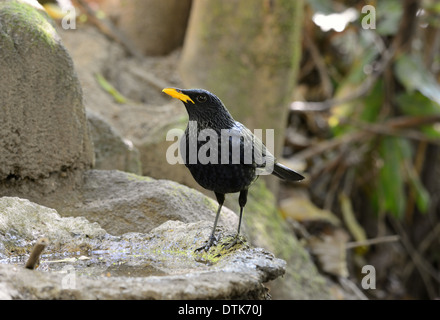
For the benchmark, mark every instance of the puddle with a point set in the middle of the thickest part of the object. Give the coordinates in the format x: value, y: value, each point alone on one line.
x: 124, y: 260
x: 168, y: 252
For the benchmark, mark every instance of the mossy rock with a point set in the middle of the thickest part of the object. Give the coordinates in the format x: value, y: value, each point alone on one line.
x: 265, y: 227
x: 44, y: 128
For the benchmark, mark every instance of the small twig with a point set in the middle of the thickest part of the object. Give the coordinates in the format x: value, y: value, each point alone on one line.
x: 403, y: 122
x: 34, y: 258
x: 329, y: 103
x: 431, y: 237
x: 388, y: 127
x: 423, y: 268
x: 348, y: 284
x: 399, y: 44
x: 424, y: 245
x: 330, y: 144
x: 408, y: 24
x: 320, y: 65
x: 399, y: 127
x: 361, y: 91
x: 369, y: 242
x: 335, y: 182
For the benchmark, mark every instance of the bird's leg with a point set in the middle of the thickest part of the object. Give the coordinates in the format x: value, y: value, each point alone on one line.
x: 242, y: 199
x: 212, y: 239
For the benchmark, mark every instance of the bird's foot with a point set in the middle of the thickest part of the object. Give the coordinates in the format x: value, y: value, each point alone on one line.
x: 212, y: 241
x: 236, y: 240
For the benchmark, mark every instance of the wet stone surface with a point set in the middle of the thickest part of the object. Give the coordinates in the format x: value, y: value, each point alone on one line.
x: 83, y: 261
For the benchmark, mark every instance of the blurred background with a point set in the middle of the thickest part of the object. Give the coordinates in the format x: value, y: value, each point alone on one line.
x: 350, y: 87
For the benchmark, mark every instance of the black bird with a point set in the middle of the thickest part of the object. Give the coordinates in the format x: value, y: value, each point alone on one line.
x: 228, y: 169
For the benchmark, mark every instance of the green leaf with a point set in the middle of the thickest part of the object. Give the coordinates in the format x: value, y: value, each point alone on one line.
x: 373, y: 103
x: 389, y: 14
x: 432, y: 132
x: 413, y: 75
x: 352, y: 82
x: 416, y: 104
x: 391, y: 190
x: 119, y: 98
x: 422, y: 196
x: 350, y: 220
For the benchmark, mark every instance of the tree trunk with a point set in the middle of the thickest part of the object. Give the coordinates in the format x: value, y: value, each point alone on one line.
x: 246, y: 52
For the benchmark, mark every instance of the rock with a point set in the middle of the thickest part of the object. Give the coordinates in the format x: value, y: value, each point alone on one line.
x: 43, y: 123
x: 120, y: 202
x: 123, y: 202
x: 147, y: 128
x: 155, y: 28
x: 146, y: 125
x: 82, y: 261
x: 148, y: 115
x: 112, y: 151
x: 266, y: 228
x: 22, y: 222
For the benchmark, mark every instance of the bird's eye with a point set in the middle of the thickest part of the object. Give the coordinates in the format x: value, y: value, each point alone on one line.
x: 201, y: 98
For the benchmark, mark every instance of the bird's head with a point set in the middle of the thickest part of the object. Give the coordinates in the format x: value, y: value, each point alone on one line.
x: 201, y: 104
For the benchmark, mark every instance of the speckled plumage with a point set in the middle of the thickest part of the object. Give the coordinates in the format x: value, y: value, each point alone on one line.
x: 212, y: 127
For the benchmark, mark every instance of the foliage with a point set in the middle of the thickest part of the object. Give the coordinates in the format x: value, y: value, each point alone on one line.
x: 383, y: 92
x: 374, y: 67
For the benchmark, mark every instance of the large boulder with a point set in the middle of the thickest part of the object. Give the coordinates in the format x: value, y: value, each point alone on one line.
x: 148, y: 114
x: 82, y: 261
x: 123, y: 202
x: 51, y: 170
x: 43, y: 124
x: 112, y: 151
x: 146, y: 126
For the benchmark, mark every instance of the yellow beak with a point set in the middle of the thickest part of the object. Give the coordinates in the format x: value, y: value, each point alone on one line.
x: 176, y: 93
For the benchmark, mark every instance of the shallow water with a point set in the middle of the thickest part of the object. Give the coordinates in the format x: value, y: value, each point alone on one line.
x: 122, y: 261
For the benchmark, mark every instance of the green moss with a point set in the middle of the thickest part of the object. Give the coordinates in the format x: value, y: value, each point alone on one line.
x: 210, y: 203
x: 18, y: 15
x: 266, y: 227
x: 135, y: 177
x: 220, y: 251
x: 296, y: 31
x: 266, y: 222
x: 184, y: 193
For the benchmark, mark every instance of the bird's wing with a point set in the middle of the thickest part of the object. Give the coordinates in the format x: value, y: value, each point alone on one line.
x: 252, y: 150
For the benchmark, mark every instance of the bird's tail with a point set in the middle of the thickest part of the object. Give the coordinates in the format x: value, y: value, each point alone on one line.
x: 283, y: 172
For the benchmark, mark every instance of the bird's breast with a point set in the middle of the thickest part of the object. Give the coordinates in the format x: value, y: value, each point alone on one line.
x: 223, y: 178
x: 216, y: 162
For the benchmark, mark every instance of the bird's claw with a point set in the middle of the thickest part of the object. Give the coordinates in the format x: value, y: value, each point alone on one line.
x: 212, y: 241
x: 236, y: 240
